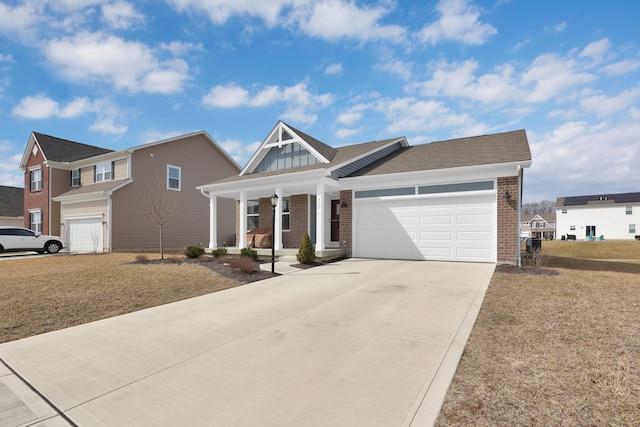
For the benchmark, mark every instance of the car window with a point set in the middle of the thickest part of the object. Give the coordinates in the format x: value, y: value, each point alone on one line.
x: 5, y: 232
x: 27, y: 233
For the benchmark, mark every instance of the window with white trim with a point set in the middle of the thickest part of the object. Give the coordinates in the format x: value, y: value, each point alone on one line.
x: 35, y: 177
x: 75, y: 178
x: 286, y: 210
x: 632, y: 228
x: 253, y: 214
x: 174, y: 177
x: 103, y: 172
x: 35, y: 221
x: 629, y: 210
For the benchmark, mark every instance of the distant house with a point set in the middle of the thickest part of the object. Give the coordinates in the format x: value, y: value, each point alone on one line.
x: 539, y: 226
x: 456, y: 200
x: 11, y: 206
x: 610, y: 216
x: 94, y: 198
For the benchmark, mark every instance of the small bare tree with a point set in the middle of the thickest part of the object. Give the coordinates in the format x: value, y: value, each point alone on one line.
x: 160, y: 203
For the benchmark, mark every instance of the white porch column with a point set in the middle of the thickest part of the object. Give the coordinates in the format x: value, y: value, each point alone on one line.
x: 242, y: 238
x: 320, y: 217
x: 213, y: 223
x: 277, y: 233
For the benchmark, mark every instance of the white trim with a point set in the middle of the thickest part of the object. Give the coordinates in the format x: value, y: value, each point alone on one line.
x: 169, y: 167
x: 83, y: 216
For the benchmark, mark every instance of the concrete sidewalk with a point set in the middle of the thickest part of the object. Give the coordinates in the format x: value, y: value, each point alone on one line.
x: 356, y: 342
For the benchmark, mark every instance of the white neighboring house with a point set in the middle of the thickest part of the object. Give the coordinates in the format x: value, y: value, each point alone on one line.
x: 610, y: 216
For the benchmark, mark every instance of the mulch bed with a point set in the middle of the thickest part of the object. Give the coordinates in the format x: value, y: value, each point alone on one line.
x: 535, y: 271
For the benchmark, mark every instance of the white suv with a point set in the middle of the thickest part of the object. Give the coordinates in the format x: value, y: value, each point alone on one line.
x: 19, y: 239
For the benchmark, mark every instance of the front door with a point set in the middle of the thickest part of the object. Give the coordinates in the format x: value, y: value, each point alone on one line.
x: 335, y: 220
x: 591, y: 230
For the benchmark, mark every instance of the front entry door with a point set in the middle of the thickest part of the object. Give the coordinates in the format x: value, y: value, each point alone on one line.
x: 591, y: 230
x: 335, y: 220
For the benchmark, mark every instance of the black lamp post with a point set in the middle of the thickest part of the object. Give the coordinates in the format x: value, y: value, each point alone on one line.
x: 274, y: 203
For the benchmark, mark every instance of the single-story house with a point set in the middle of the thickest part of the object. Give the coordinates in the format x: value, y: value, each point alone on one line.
x: 456, y: 200
x: 608, y: 216
x: 11, y: 206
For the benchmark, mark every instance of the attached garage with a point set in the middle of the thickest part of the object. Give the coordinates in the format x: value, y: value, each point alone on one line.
x: 444, y: 227
x: 85, y: 234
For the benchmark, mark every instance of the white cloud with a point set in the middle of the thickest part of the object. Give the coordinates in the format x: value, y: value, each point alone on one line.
x: 121, y: 15
x: 459, y: 21
x: 178, y: 48
x: 18, y: 18
x: 299, y: 102
x: 10, y: 173
x: 219, y: 11
x: 338, y: 19
x: 333, y: 68
x: 42, y: 107
x: 621, y: 67
x: 128, y: 65
x: 604, y: 106
x: 343, y: 133
x: 558, y: 28
x: 596, y: 50
x: 6, y: 58
x: 396, y: 67
x: 550, y: 76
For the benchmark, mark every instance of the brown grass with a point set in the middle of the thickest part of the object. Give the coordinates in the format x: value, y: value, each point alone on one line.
x: 555, y: 350
x: 48, y: 293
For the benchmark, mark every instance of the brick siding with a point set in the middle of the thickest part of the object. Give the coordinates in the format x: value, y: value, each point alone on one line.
x: 508, y: 227
x: 37, y: 199
x: 346, y: 221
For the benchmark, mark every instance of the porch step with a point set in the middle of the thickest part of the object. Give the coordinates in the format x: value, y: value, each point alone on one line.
x: 288, y: 258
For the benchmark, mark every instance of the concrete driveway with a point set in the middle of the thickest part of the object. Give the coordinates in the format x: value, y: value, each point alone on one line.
x: 357, y: 342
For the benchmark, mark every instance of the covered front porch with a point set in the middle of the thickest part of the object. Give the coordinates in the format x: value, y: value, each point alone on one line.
x: 306, y: 202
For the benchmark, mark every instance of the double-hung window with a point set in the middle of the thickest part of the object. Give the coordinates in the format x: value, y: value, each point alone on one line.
x: 75, y: 178
x: 629, y: 210
x: 174, y: 177
x: 35, y: 177
x: 632, y: 228
x: 103, y: 172
x: 253, y: 214
x: 35, y: 221
x: 286, y: 210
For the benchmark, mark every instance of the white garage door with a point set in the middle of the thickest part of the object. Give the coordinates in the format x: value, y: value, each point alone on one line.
x: 457, y: 228
x: 85, y: 235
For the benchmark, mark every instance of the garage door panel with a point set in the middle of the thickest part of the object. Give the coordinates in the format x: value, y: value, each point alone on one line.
x: 451, y: 228
x: 85, y: 235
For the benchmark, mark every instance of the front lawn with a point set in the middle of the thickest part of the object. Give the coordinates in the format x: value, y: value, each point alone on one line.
x: 555, y: 349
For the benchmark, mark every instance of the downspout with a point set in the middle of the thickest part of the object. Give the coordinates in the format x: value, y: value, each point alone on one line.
x: 109, y: 222
x: 518, y: 252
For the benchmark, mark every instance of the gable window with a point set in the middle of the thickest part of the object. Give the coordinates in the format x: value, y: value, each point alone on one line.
x: 103, y: 172
x: 253, y: 214
x: 35, y: 221
x: 286, y: 210
x: 286, y: 156
x: 632, y: 228
x: 629, y: 210
x: 174, y: 174
x: 75, y: 178
x: 564, y: 211
x: 35, y: 177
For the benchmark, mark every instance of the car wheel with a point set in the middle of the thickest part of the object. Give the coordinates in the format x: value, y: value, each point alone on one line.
x: 1, y: 249
x: 53, y: 247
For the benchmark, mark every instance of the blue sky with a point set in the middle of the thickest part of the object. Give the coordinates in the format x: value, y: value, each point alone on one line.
x: 117, y: 74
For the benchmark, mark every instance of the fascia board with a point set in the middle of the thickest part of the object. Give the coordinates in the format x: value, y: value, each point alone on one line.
x: 80, y: 198
x: 257, y: 156
x: 282, y: 180
x: 309, y: 148
x: 437, y: 176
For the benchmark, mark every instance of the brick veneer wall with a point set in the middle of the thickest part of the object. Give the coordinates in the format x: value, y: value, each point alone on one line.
x: 37, y: 199
x: 508, y: 235
x: 298, y: 221
x: 346, y: 222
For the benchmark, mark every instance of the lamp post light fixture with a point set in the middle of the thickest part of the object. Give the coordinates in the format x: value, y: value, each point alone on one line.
x: 274, y: 203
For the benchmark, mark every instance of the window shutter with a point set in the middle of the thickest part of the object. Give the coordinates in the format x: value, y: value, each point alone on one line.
x: 113, y: 170
x: 95, y: 173
x: 71, y: 178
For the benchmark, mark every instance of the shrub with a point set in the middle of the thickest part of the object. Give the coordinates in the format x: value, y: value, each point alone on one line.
x: 194, y: 251
x: 243, y: 263
x: 142, y: 259
x: 204, y: 258
x: 306, y: 253
x: 249, y: 253
x: 219, y: 252
x: 174, y: 260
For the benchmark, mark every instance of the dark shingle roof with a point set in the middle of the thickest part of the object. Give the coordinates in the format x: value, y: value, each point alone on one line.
x: 62, y: 150
x: 598, y: 199
x: 497, y: 148
x: 11, y: 201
